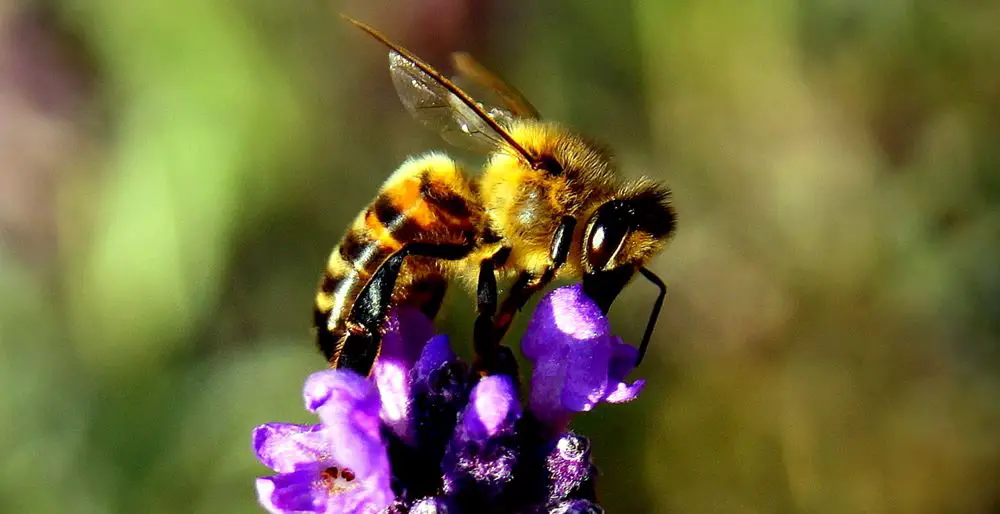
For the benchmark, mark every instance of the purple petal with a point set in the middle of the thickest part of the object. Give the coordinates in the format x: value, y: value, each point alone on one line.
x: 493, y: 407
x: 308, y: 490
x: 348, y: 405
x: 369, y: 497
x: 285, y: 447
x: 407, y: 331
x: 340, y: 387
x: 586, y: 372
x: 623, y: 392
x: 300, y: 491
x: 565, y: 313
x: 392, y: 379
x: 436, y: 353
x: 623, y: 358
x: 355, y: 447
x: 349, y: 437
x: 545, y: 400
x: 578, y: 363
x: 484, y: 450
x: 441, y: 387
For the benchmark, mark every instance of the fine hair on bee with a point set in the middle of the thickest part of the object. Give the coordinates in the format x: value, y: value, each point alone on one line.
x: 547, y: 205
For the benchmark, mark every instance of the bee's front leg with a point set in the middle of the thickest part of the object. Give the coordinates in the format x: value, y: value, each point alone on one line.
x: 604, y: 286
x: 529, y: 283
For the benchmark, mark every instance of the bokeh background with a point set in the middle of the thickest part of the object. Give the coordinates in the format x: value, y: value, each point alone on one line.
x: 173, y: 175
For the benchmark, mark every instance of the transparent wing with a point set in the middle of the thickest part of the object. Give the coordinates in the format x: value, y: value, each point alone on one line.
x: 441, y: 110
x: 513, y: 100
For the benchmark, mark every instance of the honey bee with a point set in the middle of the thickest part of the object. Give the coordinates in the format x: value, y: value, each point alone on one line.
x: 547, y: 205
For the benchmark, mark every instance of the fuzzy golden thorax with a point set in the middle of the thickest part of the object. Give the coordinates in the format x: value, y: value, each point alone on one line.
x: 574, y: 177
x: 525, y: 204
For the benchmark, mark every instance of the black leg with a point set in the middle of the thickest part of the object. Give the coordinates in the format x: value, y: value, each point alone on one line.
x: 559, y: 250
x: 604, y: 287
x: 486, y: 302
x: 363, y: 342
x: 484, y: 342
x: 528, y: 284
x: 525, y: 286
x: 654, y: 314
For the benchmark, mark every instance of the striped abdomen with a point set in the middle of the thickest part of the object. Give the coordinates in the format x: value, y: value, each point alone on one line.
x: 427, y: 199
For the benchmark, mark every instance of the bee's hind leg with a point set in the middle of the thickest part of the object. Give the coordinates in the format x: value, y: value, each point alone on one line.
x: 364, y: 340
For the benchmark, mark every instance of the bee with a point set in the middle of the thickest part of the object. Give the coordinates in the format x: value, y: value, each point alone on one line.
x: 547, y: 205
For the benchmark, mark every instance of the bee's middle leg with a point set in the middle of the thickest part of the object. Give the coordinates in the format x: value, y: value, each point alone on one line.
x: 485, y: 343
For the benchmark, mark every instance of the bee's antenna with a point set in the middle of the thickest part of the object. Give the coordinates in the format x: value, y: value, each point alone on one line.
x: 650, y: 276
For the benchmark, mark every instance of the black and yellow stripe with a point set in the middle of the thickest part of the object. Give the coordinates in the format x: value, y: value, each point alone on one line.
x: 427, y: 199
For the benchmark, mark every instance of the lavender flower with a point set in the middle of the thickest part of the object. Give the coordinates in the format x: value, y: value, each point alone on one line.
x: 578, y: 362
x: 340, y: 465
x: 428, y: 435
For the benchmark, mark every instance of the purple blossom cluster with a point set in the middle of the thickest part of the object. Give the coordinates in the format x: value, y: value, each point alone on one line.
x: 426, y: 434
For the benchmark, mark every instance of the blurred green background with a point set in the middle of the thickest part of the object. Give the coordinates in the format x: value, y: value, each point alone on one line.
x: 173, y: 175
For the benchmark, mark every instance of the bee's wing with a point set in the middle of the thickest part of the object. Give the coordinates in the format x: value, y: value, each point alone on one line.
x: 516, y: 104
x: 440, y: 104
x: 441, y: 110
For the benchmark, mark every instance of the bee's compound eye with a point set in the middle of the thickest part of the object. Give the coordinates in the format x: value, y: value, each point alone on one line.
x: 610, y: 226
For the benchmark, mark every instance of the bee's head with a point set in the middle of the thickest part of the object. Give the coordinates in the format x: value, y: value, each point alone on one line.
x: 629, y: 229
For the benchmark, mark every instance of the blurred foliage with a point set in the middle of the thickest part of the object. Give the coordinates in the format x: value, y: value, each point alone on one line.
x: 175, y: 173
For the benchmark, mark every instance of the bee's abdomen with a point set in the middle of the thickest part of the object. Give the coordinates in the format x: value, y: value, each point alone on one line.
x: 427, y: 200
